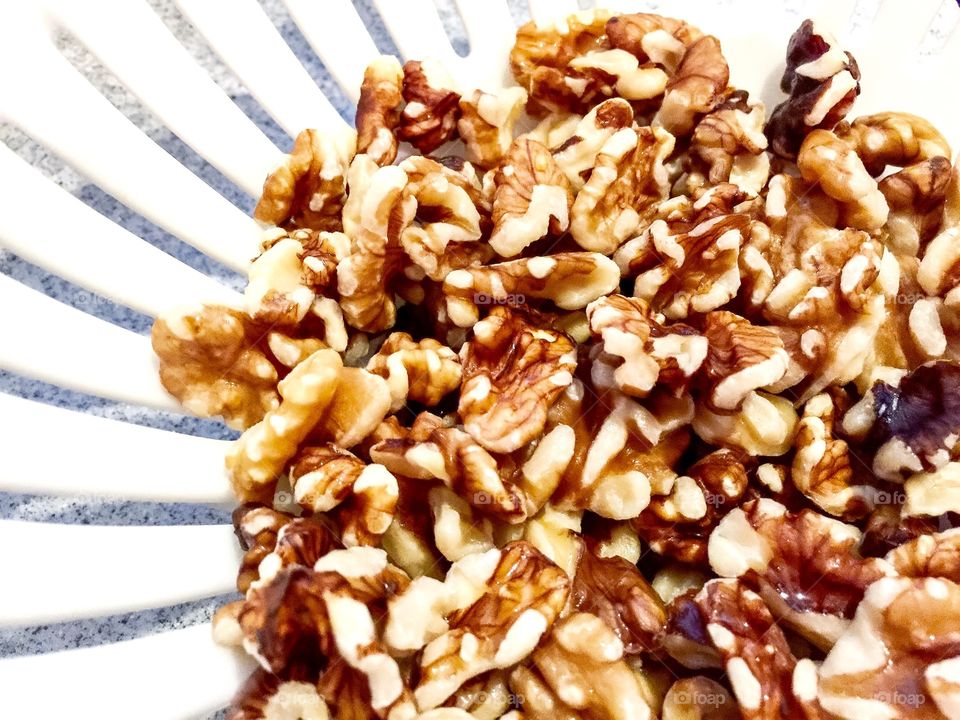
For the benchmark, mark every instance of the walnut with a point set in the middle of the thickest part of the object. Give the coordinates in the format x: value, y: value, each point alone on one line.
x: 939, y: 270
x: 622, y: 450
x: 456, y: 531
x: 916, y: 197
x: 555, y: 533
x: 541, y: 62
x: 439, y: 221
x: 409, y: 539
x: 261, y: 453
x: 430, y: 116
x: 308, y: 189
x: 823, y: 81
x: 894, y: 138
x: 730, y: 141
x: 933, y: 555
x: 568, y: 280
x: 614, y: 590
x: 256, y: 527
x: 822, y: 468
x: 582, y: 670
x: 264, y: 696
x: 365, y: 496
x: 533, y: 198
x: 423, y: 371
x: 378, y: 109
x: 765, y: 425
x: 898, y: 659
x: 521, y: 600
x: 209, y: 361
x: 804, y: 565
x: 361, y: 401
x: 628, y: 177
x: 654, y: 353
x: 933, y: 493
x: 678, y: 525
x: 512, y: 373
x: 826, y: 159
x: 699, y: 698
x: 486, y: 123
x: 767, y: 679
x: 577, y: 154
x: 914, y: 424
x: 453, y: 456
x: 690, y: 264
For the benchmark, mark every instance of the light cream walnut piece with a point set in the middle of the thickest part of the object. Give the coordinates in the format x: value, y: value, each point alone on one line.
x: 569, y: 280
x: 264, y: 696
x: 364, y: 277
x: 512, y: 373
x: 456, y: 531
x: 439, y: 223
x: 806, y: 566
x: 378, y: 109
x: 765, y: 425
x: 423, y: 371
x: 742, y: 357
x: 309, y: 188
x: 826, y: 159
x: 899, y: 657
x: 532, y: 199
x: 581, y: 672
x: 210, y: 362
x: 429, y: 118
x: 653, y: 353
x: 576, y: 154
x: 260, y: 455
x: 487, y: 697
x: 555, y: 533
x: 486, y: 123
x: 933, y: 493
x: 690, y: 264
x: 627, y: 178
x: 327, y: 478
x: 768, y: 681
x: 521, y: 600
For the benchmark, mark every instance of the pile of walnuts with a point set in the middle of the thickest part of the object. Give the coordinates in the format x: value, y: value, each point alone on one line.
x: 615, y: 400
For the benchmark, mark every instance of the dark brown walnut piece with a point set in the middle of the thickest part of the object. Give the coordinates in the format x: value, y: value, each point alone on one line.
x: 309, y: 188
x: 513, y: 370
x: 917, y: 422
x: 678, y: 525
x: 768, y: 680
x: 378, y: 109
x: 615, y: 590
x: 256, y: 527
x: 805, y: 566
x: 822, y: 80
x: 915, y: 196
x: 429, y: 118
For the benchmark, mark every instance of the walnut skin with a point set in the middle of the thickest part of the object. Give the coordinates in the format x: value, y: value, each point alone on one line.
x: 823, y: 81
x: 512, y: 373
